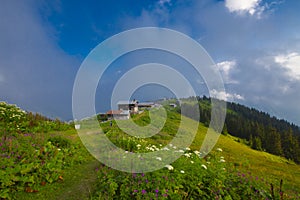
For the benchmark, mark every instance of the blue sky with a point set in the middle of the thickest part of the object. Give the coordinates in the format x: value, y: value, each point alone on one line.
x: 254, y: 43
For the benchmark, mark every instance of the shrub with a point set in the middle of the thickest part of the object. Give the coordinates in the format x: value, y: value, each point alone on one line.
x: 29, y: 161
x: 60, y: 142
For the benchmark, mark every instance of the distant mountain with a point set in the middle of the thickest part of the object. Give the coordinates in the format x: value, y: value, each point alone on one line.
x: 260, y: 130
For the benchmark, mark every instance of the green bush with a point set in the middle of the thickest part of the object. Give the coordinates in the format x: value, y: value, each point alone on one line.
x: 28, y: 162
x: 60, y: 142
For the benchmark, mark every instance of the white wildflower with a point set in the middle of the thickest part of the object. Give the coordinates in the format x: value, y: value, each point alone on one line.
x: 166, y: 149
x: 192, y: 162
x: 187, y: 155
x: 222, y: 160
x: 59, y: 149
x: 187, y: 148
x: 181, y: 171
x: 180, y: 151
x: 170, y: 167
x: 158, y: 158
x: 204, y: 166
x: 151, y: 149
x: 219, y: 149
x: 208, y: 162
x: 197, y: 153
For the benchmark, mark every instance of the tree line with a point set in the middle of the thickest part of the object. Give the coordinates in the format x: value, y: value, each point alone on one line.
x: 262, y: 131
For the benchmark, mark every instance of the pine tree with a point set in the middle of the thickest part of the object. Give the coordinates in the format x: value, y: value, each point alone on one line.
x: 257, y: 144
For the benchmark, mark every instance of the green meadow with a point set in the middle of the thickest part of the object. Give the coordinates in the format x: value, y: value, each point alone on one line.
x: 54, y: 164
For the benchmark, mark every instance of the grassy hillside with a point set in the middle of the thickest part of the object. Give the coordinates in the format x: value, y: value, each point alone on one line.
x: 36, y: 154
x: 260, y: 168
x: 231, y: 171
x: 262, y: 131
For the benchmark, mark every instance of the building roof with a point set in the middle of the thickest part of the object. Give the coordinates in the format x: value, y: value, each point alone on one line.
x: 146, y: 104
x: 126, y: 102
x: 117, y: 112
x: 114, y: 112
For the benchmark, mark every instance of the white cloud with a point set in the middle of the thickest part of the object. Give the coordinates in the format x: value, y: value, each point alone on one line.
x: 163, y: 2
x: 244, y: 6
x: 284, y: 89
x: 226, y: 68
x: 291, y: 63
x: 252, y: 43
x: 222, y: 95
x: 38, y: 75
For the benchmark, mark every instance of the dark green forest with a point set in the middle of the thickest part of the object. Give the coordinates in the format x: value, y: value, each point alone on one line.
x: 260, y: 130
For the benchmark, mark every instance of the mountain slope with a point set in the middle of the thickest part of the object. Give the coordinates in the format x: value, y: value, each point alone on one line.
x: 232, y: 170
x: 256, y: 165
x: 262, y: 132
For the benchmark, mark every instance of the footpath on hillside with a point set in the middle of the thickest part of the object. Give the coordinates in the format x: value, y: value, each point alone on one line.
x: 81, y: 184
x: 78, y: 183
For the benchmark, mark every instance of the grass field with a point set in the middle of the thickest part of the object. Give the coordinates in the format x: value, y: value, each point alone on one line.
x: 92, y: 180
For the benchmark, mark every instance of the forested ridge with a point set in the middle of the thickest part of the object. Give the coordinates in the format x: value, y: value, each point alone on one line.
x: 260, y: 130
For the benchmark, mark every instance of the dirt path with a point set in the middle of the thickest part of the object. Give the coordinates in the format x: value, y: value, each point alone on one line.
x: 78, y: 184
x: 81, y: 184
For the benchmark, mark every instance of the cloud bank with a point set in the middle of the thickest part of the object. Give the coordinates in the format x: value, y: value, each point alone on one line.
x: 290, y: 62
x: 34, y: 72
x: 248, y: 39
x: 244, y: 6
x: 255, y: 45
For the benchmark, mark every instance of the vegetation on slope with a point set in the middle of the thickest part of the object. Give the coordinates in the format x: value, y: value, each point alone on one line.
x: 54, y: 165
x: 263, y: 132
x: 15, y: 120
x: 231, y: 171
x: 32, y: 155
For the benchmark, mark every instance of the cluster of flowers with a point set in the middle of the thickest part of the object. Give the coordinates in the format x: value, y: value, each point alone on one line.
x: 186, y: 152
